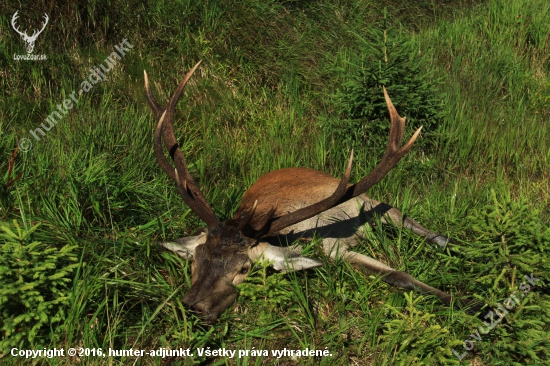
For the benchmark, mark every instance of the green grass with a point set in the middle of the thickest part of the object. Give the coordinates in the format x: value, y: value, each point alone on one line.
x: 269, y: 75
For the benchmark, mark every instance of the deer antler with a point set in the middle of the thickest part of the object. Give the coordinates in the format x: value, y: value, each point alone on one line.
x: 164, y: 132
x: 314, y: 209
x: 343, y: 193
x: 393, y: 154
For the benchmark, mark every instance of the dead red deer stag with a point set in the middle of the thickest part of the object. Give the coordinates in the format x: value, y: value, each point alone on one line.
x: 282, y: 206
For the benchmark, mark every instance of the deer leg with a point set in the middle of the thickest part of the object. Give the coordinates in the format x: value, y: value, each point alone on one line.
x: 390, y: 275
x: 404, y: 280
x: 391, y: 214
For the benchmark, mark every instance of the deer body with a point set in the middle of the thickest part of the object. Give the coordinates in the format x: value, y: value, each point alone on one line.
x: 295, y: 188
x: 279, y: 208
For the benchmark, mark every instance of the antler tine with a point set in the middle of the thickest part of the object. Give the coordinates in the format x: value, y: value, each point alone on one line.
x: 391, y: 157
x: 397, y: 124
x: 189, y: 190
x: 176, y: 96
x: 312, y: 210
x: 157, y: 108
x: 246, y: 216
x: 261, y: 224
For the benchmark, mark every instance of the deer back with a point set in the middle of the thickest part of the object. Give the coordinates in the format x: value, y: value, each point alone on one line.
x: 291, y: 189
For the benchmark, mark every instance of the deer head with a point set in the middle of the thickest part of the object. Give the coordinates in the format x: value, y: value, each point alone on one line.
x: 223, y: 255
x: 29, y: 40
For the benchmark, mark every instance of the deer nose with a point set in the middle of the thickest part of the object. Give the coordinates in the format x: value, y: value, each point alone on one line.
x: 197, y: 308
x: 202, y: 310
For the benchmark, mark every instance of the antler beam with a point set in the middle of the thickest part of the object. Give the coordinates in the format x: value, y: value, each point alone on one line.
x: 164, y: 132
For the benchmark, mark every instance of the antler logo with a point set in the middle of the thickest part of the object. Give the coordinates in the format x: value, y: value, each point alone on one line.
x: 29, y: 40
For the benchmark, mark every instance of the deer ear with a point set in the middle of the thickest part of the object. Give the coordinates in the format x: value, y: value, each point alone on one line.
x: 185, y: 247
x: 282, y: 259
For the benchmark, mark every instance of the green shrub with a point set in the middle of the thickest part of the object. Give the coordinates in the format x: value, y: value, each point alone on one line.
x: 415, y: 337
x: 36, y: 281
x: 273, y: 289
x: 388, y: 59
x: 511, y: 243
x: 510, y: 238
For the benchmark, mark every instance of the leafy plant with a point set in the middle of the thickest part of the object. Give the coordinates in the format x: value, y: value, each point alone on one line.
x: 35, y: 289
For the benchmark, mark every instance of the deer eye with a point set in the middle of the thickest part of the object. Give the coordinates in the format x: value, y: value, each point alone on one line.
x: 244, y: 270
